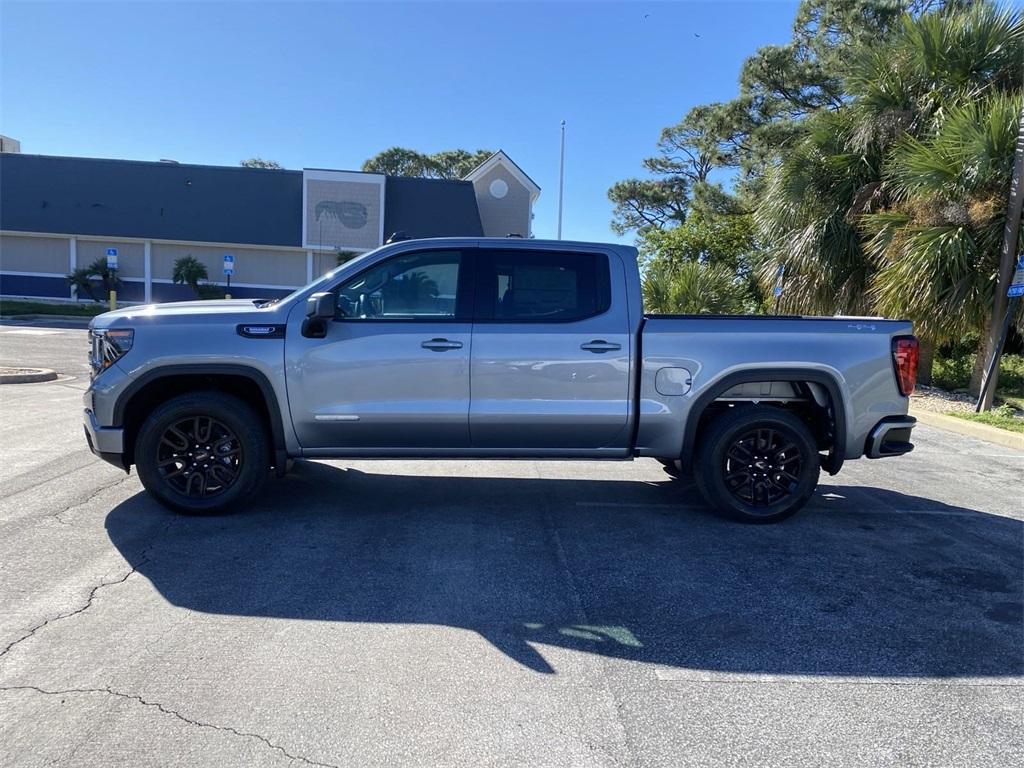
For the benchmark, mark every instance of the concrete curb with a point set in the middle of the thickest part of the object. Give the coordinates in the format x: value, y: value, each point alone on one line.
x: 30, y: 376
x: 74, y: 319
x: 970, y: 428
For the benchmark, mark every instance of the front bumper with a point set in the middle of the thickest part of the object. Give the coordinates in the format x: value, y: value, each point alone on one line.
x: 105, y: 442
x: 890, y: 437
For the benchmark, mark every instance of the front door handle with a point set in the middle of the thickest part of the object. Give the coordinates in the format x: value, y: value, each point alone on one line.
x: 440, y: 345
x: 600, y: 345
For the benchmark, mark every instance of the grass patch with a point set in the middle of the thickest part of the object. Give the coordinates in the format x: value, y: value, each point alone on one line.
x: 12, y: 308
x: 1011, y: 423
x: 1012, y: 400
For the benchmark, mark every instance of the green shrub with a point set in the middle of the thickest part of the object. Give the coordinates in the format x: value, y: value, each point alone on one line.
x: 953, y: 372
x: 1011, y: 374
x: 209, y: 291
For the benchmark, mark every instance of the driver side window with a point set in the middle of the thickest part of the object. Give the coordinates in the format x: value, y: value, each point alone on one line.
x: 412, y: 286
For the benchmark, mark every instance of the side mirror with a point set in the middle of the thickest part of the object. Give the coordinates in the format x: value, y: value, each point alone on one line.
x: 321, y: 306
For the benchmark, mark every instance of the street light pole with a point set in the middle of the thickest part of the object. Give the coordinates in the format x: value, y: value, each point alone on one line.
x: 561, y: 180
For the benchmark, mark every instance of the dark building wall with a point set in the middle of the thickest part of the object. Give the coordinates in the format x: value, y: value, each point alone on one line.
x: 167, y: 201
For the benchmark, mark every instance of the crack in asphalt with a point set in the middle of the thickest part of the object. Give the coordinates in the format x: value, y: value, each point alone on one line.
x: 143, y: 559
x: 58, y: 515
x: 53, y: 619
x: 174, y: 713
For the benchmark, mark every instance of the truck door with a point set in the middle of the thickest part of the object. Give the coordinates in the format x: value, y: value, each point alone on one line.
x: 392, y: 371
x: 550, y: 361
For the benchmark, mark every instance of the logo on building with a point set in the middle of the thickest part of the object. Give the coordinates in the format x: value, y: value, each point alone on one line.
x: 350, y: 214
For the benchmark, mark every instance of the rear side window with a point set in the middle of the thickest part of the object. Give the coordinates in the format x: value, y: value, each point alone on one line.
x: 542, y: 286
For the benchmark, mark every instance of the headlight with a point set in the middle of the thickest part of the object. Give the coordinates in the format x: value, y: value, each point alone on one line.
x: 108, y: 346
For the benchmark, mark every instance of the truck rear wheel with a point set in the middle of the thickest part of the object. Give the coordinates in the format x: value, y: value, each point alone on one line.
x: 202, y: 453
x: 757, y: 464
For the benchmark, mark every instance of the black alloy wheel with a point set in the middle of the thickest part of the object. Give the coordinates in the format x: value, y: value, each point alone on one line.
x: 763, y: 466
x: 199, y: 456
x: 203, y: 453
x: 757, y: 463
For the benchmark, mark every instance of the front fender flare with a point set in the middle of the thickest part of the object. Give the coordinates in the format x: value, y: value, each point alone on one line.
x: 214, y: 369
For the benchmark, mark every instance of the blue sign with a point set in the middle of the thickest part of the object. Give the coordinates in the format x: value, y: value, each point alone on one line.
x: 777, y: 291
x: 1017, y: 282
x: 112, y: 258
x: 229, y: 264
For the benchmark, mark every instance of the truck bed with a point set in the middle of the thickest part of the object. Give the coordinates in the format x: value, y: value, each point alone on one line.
x: 850, y: 357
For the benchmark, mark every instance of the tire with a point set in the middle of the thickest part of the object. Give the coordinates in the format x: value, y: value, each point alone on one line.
x: 769, y: 486
x: 197, y: 476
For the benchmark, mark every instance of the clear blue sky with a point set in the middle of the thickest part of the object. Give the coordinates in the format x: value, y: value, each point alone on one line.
x: 330, y: 84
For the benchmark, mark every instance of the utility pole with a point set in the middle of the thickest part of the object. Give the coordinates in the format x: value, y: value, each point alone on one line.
x: 561, y: 180
x: 1002, y: 305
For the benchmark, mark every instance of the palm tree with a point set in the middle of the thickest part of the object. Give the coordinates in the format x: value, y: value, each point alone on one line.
x: 188, y: 270
x: 860, y: 187
x: 940, y: 97
x: 693, y: 288
x: 809, y: 217
x: 83, y: 279
x: 937, y: 247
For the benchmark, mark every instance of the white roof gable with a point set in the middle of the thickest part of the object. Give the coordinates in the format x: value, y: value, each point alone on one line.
x: 500, y: 158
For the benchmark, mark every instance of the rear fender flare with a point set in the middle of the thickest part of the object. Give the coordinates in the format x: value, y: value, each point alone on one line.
x: 832, y: 463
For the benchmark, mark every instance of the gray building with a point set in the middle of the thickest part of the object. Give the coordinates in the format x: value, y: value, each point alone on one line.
x: 283, y: 227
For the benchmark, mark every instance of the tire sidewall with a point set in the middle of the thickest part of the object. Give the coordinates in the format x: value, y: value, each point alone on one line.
x: 711, y: 480
x: 238, y: 417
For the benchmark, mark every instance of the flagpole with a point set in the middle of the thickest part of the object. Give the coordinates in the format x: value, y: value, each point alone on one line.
x: 561, y: 180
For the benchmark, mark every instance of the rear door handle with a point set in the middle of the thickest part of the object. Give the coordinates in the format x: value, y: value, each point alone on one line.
x: 600, y: 345
x: 440, y: 345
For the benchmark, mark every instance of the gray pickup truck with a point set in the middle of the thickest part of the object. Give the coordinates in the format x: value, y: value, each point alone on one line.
x: 491, y: 348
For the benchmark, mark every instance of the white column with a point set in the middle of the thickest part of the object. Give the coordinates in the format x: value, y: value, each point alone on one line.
x: 309, y: 266
x: 147, y: 271
x: 73, y: 262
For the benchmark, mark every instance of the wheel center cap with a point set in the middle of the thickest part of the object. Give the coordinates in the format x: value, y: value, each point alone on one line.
x: 201, y: 456
x: 761, y: 464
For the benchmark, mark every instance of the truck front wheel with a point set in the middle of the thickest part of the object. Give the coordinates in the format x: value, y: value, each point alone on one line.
x: 758, y: 464
x: 202, y: 453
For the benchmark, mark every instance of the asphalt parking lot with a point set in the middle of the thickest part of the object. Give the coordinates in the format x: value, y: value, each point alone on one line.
x: 501, y: 613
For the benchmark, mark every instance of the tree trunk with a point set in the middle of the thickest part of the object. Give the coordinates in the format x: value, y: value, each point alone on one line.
x: 1008, y: 257
x: 985, y: 345
x: 925, y: 360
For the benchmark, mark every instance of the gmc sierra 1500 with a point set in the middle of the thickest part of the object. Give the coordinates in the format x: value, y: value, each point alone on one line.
x: 491, y: 348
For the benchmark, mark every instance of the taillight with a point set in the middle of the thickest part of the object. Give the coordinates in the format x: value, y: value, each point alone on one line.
x: 905, y: 353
